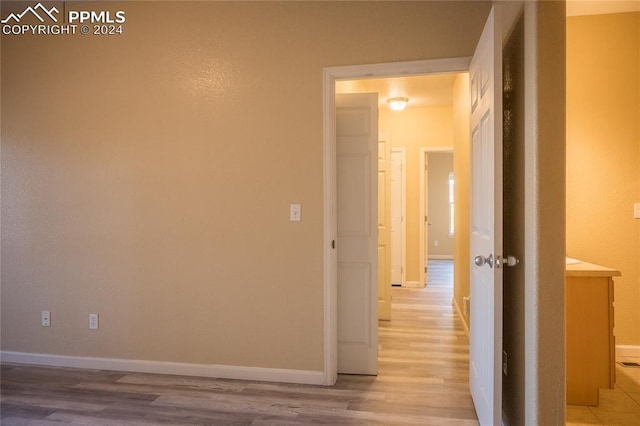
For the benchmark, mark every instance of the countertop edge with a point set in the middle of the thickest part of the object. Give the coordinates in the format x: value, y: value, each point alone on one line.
x: 585, y: 269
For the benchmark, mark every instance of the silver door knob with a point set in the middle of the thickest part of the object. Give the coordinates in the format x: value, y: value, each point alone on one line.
x: 511, y: 261
x: 480, y: 260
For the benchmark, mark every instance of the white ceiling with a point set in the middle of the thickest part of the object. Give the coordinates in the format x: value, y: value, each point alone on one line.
x: 422, y: 90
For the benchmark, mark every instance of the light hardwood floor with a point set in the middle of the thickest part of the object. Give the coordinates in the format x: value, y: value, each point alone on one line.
x: 423, y: 380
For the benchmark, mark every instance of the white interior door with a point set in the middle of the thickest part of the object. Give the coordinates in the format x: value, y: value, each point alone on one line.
x: 397, y: 217
x: 384, y: 230
x: 485, y: 373
x: 357, y: 215
x: 427, y: 222
x: 424, y: 215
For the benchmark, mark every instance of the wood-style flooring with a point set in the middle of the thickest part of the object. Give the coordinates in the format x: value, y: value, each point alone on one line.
x: 422, y: 380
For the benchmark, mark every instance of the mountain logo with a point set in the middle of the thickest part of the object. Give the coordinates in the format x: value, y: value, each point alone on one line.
x: 34, y: 11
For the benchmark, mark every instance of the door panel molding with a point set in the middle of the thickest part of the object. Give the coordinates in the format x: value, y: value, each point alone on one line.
x: 359, y: 232
x: 485, y: 340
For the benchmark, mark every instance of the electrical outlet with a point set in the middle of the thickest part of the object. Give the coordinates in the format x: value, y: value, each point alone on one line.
x: 46, y: 318
x: 636, y: 211
x: 435, y: 243
x: 504, y: 362
x: 93, y: 321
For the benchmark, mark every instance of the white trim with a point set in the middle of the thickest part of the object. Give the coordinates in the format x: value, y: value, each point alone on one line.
x: 440, y: 257
x: 330, y: 75
x: 630, y: 351
x: 173, y: 368
x: 459, y: 312
x: 413, y: 284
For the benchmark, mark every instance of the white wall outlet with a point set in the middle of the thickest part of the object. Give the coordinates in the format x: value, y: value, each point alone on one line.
x: 636, y: 211
x: 435, y: 243
x: 46, y: 318
x: 295, y: 213
x: 93, y: 321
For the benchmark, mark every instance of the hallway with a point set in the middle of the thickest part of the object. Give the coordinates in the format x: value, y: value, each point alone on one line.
x: 422, y: 381
x: 424, y: 348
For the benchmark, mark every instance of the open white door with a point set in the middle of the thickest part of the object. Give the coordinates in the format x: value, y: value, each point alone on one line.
x: 427, y: 224
x: 485, y: 372
x: 397, y: 216
x: 384, y: 230
x: 424, y: 216
x: 357, y: 187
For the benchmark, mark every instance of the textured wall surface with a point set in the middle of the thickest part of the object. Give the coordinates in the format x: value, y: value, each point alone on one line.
x: 603, y: 154
x: 147, y: 176
x: 428, y: 127
x: 461, y: 169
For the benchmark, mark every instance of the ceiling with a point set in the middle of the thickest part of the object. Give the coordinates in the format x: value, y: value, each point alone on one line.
x: 422, y: 90
x: 437, y: 90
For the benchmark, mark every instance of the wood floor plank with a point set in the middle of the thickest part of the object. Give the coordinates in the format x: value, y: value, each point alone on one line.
x: 423, y: 380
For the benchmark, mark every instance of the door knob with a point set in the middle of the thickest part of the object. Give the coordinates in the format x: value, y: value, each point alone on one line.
x: 511, y: 261
x: 480, y: 260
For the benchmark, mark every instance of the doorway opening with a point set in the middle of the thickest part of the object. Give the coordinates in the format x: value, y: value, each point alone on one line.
x: 334, y: 78
x: 437, y: 200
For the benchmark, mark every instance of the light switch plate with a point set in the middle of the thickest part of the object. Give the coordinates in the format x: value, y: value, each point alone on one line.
x: 636, y: 211
x: 295, y: 213
x: 46, y: 318
x: 93, y: 321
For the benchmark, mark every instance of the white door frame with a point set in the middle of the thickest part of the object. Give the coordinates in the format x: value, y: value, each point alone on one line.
x: 403, y: 212
x: 424, y: 151
x: 330, y: 75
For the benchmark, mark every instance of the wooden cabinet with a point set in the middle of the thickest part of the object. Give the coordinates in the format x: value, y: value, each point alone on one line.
x: 589, y: 332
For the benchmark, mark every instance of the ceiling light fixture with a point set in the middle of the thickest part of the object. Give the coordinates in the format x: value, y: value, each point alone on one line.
x: 397, y: 104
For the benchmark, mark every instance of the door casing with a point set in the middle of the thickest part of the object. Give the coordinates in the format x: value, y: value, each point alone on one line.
x: 330, y: 75
x: 424, y: 203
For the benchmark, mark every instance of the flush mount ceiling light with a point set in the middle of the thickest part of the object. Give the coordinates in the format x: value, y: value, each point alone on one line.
x: 397, y: 104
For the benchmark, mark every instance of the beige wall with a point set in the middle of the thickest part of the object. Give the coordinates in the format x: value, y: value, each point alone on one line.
x: 413, y: 129
x: 603, y: 154
x: 147, y: 177
x: 440, y: 165
x: 461, y: 169
x: 544, y: 206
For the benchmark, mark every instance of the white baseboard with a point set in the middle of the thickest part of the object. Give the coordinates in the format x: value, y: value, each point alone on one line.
x: 459, y: 312
x: 440, y: 257
x: 413, y: 284
x: 628, y: 351
x: 173, y: 368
